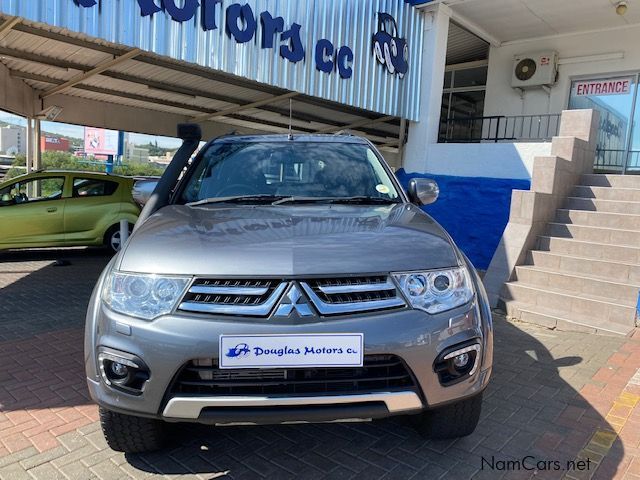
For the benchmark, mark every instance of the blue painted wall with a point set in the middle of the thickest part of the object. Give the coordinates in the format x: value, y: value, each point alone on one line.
x: 474, y: 210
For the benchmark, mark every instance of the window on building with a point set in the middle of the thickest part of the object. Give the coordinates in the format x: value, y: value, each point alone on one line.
x: 463, y: 102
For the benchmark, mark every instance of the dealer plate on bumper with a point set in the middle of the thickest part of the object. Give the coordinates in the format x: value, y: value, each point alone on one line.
x: 291, y: 351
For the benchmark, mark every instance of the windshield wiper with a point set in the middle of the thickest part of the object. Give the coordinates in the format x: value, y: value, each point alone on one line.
x: 239, y: 199
x: 364, y: 200
x: 303, y: 200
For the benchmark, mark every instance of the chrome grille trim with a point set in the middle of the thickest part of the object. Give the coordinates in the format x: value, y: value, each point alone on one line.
x: 346, y: 303
x: 249, y: 291
x: 260, y: 310
x: 354, y: 288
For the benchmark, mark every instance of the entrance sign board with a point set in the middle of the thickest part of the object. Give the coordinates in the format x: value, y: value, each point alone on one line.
x: 613, y: 86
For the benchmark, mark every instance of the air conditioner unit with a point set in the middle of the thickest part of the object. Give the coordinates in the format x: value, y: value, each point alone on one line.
x: 533, y: 70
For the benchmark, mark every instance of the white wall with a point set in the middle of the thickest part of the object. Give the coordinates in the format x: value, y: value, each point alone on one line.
x: 434, y: 59
x: 501, y: 99
x: 489, y: 160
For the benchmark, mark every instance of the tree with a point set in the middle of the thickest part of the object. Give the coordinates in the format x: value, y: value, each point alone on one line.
x: 67, y: 161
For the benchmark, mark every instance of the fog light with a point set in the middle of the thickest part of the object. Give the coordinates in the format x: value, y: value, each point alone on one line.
x: 119, y: 370
x: 461, y: 361
x: 123, y: 371
x: 457, y: 363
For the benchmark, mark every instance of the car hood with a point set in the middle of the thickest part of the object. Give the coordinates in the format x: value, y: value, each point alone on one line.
x: 287, y: 240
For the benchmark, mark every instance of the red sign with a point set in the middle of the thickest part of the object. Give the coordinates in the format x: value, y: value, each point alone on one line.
x: 54, y: 144
x: 615, y: 86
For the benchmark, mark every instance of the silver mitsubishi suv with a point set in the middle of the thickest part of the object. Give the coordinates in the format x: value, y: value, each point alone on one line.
x: 284, y: 279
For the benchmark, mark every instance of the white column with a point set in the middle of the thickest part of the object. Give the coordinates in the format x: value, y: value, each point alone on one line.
x: 37, y: 149
x: 30, y: 145
x: 434, y: 59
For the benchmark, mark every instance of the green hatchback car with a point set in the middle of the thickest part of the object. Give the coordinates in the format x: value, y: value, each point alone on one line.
x: 64, y: 209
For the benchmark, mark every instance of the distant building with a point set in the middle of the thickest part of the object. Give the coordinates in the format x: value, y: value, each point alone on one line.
x: 13, y: 140
x: 50, y: 143
x: 134, y: 153
x: 162, y: 160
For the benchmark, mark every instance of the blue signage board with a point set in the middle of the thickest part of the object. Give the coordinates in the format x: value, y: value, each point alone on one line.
x: 364, y: 53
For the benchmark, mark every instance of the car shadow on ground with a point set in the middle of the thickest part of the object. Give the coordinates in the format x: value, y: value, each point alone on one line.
x: 533, y: 411
x: 533, y: 417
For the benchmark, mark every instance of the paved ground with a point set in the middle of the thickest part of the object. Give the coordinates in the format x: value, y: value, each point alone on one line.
x: 555, y: 397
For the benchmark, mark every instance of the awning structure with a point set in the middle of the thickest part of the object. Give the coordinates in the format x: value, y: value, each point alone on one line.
x: 103, y: 84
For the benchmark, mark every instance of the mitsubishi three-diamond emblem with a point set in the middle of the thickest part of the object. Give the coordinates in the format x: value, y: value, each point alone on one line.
x: 294, y: 300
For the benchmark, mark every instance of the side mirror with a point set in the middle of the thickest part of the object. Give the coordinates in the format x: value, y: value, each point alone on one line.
x: 142, y: 191
x: 423, y: 191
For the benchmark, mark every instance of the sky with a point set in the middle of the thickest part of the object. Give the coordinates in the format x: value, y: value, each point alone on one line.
x: 78, y: 132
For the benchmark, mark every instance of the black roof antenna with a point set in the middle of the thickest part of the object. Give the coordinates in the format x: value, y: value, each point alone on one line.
x: 291, y: 119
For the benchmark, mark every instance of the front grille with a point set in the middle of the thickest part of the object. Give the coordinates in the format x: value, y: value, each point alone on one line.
x: 379, y: 373
x: 258, y: 298
x: 353, y: 290
x: 232, y: 297
x: 334, y: 296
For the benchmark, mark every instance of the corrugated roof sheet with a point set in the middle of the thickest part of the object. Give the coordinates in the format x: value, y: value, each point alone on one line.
x: 343, y: 22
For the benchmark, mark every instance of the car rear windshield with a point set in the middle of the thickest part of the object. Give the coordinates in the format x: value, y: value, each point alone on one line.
x: 289, y: 169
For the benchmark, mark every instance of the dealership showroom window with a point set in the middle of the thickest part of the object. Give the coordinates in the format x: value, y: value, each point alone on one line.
x: 304, y: 239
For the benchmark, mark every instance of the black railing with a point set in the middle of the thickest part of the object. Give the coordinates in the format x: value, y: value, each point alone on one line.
x: 520, y: 128
x: 613, y: 161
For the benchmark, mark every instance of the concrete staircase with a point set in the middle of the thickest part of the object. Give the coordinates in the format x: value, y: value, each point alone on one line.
x: 585, y: 271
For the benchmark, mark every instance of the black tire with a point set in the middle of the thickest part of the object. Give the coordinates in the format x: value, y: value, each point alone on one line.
x: 109, y: 241
x: 452, y: 421
x: 129, y: 434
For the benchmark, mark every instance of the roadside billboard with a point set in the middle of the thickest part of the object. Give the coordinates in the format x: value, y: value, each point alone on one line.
x: 98, y: 141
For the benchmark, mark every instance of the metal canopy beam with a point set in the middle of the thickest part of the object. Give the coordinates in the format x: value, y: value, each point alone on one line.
x: 246, y: 106
x: 195, y: 70
x: 7, y: 25
x: 355, y: 125
x: 191, y: 92
x: 100, y: 68
x: 155, y: 101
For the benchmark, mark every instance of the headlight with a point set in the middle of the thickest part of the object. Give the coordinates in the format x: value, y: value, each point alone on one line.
x: 436, y: 291
x: 141, y: 295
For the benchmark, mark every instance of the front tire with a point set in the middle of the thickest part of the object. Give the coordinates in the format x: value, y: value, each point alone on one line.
x: 451, y: 421
x: 129, y: 434
x: 113, y: 239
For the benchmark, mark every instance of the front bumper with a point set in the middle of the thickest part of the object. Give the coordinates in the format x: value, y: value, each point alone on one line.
x: 168, y: 343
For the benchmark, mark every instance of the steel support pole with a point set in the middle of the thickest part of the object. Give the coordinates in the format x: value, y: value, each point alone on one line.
x: 30, y: 152
x: 37, y: 144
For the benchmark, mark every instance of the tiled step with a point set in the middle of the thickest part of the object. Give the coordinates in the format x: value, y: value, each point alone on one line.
x: 595, y: 234
x: 612, y: 271
x: 561, y: 302
x: 608, y: 193
x: 617, y: 292
x: 597, y: 251
x: 599, y: 219
x: 602, y: 206
x: 572, y: 322
x: 615, y: 181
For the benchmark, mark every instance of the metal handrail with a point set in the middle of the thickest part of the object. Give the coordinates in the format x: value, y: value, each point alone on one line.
x: 500, y: 128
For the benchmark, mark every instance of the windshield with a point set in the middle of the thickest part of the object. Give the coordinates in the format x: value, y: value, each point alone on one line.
x: 293, y: 170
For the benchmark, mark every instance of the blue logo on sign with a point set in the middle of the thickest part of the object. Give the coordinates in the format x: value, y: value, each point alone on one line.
x: 240, y: 350
x: 389, y: 48
x: 271, y: 32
